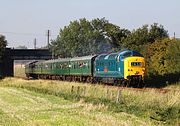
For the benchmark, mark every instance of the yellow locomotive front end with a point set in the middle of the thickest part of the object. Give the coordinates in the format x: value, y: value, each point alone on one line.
x: 134, y: 69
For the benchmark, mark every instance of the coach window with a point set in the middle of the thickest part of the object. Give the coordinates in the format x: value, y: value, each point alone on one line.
x: 65, y: 65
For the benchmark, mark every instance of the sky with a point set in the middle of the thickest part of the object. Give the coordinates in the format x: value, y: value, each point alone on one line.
x: 21, y: 21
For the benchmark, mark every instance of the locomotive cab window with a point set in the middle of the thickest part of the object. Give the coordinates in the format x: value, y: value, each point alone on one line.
x: 127, y: 54
x: 136, y: 64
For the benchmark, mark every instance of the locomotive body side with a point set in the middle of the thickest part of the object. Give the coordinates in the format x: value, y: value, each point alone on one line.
x: 119, y: 67
x: 106, y: 66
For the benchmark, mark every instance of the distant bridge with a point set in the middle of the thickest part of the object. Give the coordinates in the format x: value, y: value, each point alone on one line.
x: 30, y: 54
x: 6, y: 65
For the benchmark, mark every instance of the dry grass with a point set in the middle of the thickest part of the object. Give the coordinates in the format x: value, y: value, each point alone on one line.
x: 99, y: 102
x: 23, y: 107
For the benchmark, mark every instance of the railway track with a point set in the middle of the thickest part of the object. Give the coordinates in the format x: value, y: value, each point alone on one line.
x: 144, y: 89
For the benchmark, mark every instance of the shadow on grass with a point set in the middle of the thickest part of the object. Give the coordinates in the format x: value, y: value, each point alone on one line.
x: 162, y: 81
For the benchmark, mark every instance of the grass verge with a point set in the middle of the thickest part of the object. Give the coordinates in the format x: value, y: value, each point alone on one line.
x: 153, y: 107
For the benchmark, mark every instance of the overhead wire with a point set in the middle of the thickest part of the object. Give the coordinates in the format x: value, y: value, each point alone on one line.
x: 25, y: 34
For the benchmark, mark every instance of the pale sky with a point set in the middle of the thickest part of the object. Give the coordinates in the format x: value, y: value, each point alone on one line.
x: 23, y: 20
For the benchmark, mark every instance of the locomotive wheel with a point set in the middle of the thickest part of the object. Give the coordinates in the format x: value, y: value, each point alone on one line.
x: 124, y: 83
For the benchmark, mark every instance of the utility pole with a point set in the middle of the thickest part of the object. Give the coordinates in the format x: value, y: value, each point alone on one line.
x: 48, y: 35
x: 174, y: 35
x: 35, y: 43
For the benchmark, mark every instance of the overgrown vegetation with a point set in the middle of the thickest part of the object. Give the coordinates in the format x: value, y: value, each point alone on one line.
x: 163, y: 61
x: 3, y: 44
x: 157, y: 108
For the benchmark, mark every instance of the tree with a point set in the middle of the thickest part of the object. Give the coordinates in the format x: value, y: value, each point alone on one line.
x: 163, y: 57
x: 116, y: 34
x: 3, y: 44
x: 144, y: 35
x: 157, y: 32
x: 173, y: 56
x: 136, y: 38
x: 85, y: 37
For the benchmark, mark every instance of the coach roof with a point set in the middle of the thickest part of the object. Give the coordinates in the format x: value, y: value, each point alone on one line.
x: 83, y: 58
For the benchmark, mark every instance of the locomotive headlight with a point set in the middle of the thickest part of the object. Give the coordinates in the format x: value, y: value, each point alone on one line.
x: 137, y: 72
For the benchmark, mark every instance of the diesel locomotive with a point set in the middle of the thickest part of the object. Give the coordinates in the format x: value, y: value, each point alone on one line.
x: 122, y: 68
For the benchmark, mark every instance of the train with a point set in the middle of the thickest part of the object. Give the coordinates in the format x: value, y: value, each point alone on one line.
x: 122, y: 68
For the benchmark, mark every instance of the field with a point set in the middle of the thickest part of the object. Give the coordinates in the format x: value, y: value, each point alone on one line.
x: 40, y: 102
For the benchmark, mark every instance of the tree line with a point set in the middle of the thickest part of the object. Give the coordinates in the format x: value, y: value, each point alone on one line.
x: 3, y: 44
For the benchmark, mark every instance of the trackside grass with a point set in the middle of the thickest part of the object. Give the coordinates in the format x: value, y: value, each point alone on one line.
x: 46, y: 102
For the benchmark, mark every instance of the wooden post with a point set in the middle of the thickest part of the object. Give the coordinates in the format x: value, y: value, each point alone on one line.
x: 118, y: 96
x: 78, y: 90
x: 107, y: 93
x: 72, y: 89
x: 84, y: 92
x: 111, y: 95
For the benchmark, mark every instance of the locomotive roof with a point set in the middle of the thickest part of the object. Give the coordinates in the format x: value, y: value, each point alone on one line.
x: 101, y: 56
x: 31, y: 62
x: 125, y: 53
x: 111, y: 56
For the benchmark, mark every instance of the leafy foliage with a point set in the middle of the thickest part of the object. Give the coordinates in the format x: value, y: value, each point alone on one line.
x: 163, y: 59
x: 85, y: 37
x: 145, y: 35
x: 3, y: 44
x: 173, y: 56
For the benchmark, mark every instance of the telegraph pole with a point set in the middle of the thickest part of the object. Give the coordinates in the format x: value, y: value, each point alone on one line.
x: 48, y: 35
x: 35, y: 43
